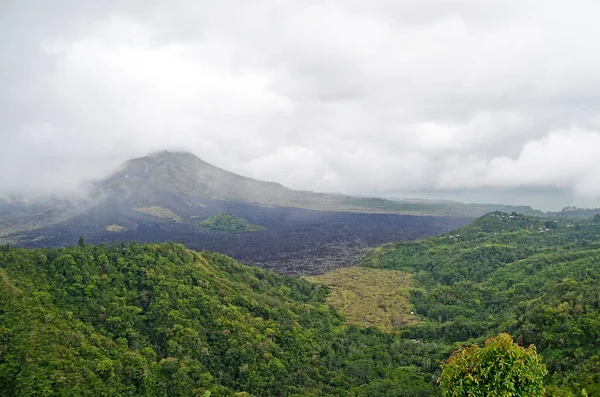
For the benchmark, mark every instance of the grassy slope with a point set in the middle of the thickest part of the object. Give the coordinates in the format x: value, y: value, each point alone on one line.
x: 159, y: 212
x: 114, y: 228
x: 370, y: 297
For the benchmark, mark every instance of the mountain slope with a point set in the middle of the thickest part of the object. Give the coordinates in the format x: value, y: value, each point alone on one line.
x: 172, y: 182
x: 155, y: 177
x: 152, y: 177
x: 185, y: 174
x: 165, y: 196
x: 166, y: 181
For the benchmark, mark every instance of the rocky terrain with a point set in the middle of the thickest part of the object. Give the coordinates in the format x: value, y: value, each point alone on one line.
x: 297, y: 241
x: 165, y: 196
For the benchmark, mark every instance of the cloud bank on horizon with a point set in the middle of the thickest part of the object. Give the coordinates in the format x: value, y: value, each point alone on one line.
x: 357, y: 97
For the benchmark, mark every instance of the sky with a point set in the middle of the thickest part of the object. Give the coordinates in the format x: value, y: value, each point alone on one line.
x: 495, y: 101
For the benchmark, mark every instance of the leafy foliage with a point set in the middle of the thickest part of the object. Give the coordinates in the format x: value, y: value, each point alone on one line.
x: 510, y: 273
x: 500, y: 369
x: 229, y: 223
x: 160, y: 320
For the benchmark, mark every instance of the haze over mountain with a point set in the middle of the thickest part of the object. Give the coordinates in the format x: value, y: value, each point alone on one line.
x: 177, y: 177
x: 153, y: 177
x: 495, y: 100
x: 171, y: 182
x: 167, y: 196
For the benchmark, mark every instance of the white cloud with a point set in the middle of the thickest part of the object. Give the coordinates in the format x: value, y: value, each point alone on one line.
x: 564, y: 158
x: 347, y: 96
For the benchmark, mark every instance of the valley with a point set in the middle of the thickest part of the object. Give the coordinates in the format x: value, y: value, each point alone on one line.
x: 141, y: 315
x: 174, y: 277
x: 166, y: 196
x: 294, y: 241
x: 299, y: 199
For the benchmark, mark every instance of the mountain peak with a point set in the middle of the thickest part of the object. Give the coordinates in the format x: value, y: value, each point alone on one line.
x: 180, y: 154
x: 171, y: 153
x: 183, y: 173
x: 165, y: 157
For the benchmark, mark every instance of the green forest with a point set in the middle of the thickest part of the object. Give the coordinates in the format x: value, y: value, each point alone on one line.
x: 229, y: 223
x: 136, y: 319
x: 160, y: 320
x: 536, y: 279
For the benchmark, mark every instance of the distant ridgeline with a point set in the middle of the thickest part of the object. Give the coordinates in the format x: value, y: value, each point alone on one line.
x: 577, y: 213
x: 160, y: 320
x: 437, y: 207
x: 537, y: 279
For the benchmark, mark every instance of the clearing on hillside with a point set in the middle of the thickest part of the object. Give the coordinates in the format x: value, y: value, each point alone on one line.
x: 370, y: 296
x: 159, y: 212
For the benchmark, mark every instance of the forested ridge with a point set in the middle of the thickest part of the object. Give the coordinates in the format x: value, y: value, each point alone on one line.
x: 160, y: 320
x: 537, y: 279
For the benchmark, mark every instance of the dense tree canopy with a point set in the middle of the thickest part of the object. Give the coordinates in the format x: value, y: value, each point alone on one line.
x: 500, y: 369
x: 507, y: 273
x: 160, y: 320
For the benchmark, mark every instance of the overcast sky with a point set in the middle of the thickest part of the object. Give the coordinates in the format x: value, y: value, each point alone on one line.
x: 441, y: 98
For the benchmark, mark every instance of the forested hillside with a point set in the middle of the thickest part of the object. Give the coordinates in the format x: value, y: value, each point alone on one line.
x: 537, y: 279
x: 160, y: 320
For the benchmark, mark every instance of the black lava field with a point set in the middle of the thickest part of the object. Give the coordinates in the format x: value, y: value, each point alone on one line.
x: 296, y: 241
